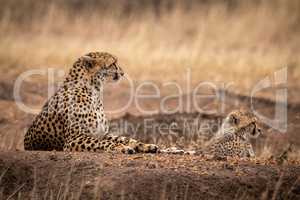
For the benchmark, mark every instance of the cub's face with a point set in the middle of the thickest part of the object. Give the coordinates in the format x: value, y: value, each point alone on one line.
x: 242, y: 120
x: 102, y: 67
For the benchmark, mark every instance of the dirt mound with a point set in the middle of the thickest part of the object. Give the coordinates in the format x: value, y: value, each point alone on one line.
x: 58, y: 175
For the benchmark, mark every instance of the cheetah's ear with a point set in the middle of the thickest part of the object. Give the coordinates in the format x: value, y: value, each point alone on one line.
x: 89, y: 62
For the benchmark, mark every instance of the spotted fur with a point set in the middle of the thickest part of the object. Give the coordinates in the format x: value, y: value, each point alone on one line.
x: 72, y: 117
x: 233, y: 139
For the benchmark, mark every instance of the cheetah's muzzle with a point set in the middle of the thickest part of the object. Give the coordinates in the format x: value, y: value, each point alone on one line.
x: 116, y: 77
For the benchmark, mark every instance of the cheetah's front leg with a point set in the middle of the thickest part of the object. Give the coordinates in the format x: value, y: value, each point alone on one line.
x: 139, y: 147
x: 85, y: 143
x: 110, y: 146
x: 250, y: 151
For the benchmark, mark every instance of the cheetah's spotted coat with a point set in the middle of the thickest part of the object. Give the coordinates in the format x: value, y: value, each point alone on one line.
x: 233, y: 139
x: 73, y: 116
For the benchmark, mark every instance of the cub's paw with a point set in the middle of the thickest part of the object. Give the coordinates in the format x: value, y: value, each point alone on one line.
x: 150, y: 148
x: 172, y: 150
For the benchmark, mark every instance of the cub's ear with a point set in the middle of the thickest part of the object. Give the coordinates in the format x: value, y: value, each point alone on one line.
x: 234, y: 120
x: 89, y: 62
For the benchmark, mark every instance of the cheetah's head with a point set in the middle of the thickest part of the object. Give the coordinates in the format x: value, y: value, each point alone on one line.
x: 103, y: 66
x: 242, y: 122
x: 95, y: 68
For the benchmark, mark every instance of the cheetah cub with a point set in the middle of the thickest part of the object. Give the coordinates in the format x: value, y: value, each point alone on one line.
x: 233, y: 138
x: 72, y: 117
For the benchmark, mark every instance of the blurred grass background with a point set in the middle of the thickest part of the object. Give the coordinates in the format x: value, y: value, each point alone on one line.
x: 221, y: 41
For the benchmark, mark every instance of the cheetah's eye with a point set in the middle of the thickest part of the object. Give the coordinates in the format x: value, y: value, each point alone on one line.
x: 114, y: 66
x: 234, y: 120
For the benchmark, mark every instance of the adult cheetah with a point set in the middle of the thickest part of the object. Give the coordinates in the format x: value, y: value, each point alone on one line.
x: 233, y: 138
x: 72, y: 117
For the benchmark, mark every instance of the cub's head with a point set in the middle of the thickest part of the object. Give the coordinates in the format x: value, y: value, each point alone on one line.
x: 96, y: 68
x: 241, y: 122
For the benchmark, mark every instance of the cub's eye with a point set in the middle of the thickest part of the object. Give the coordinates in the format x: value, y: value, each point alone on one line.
x: 234, y: 120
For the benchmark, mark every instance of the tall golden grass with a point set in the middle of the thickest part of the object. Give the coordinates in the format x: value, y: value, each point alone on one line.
x: 222, y: 41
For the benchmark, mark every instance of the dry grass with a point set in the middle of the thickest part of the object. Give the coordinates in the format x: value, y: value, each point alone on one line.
x: 220, y: 42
